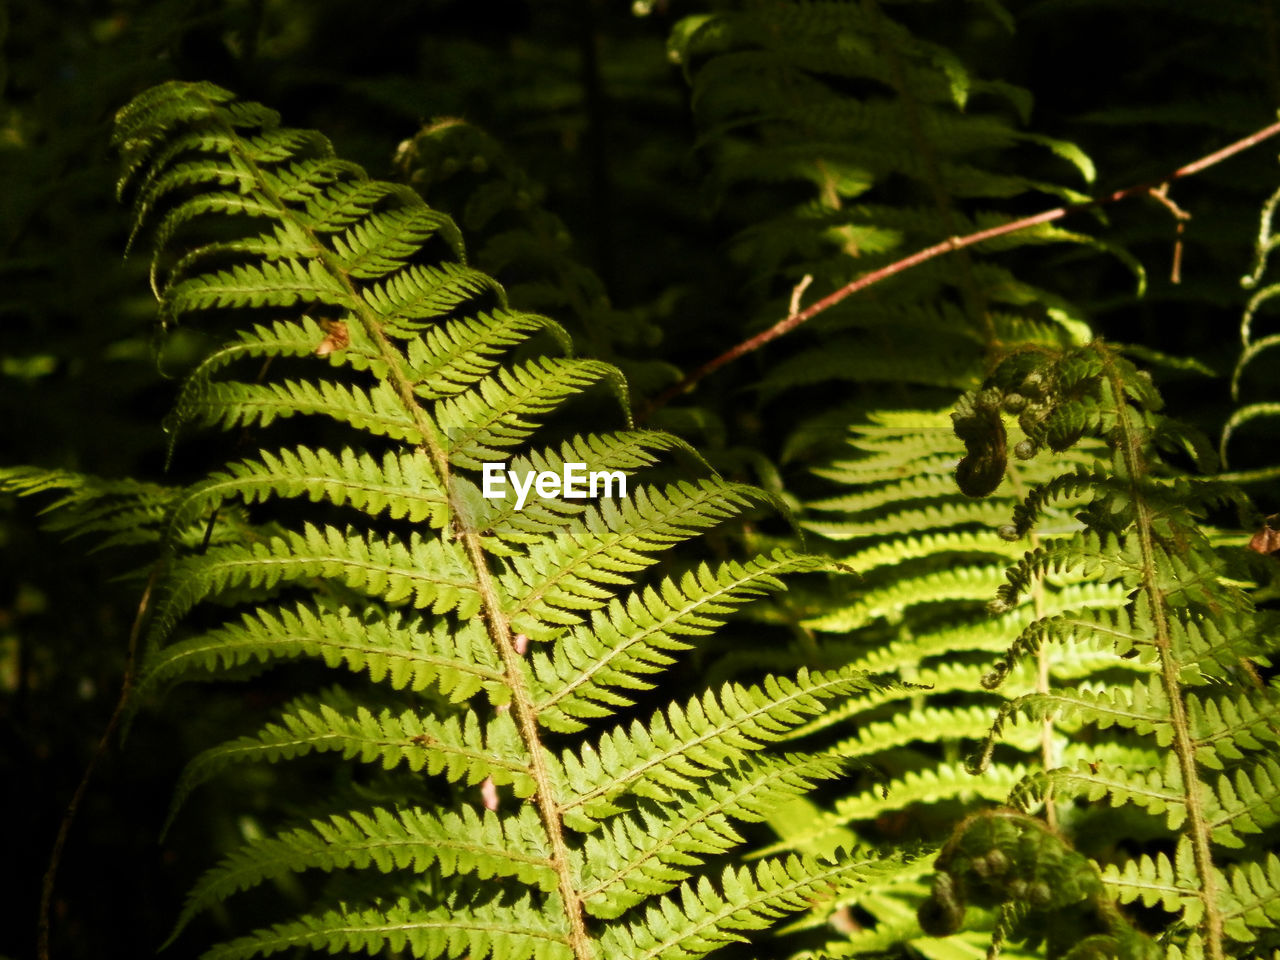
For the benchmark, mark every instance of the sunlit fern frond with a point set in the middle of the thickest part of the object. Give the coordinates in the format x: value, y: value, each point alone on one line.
x: 495, y: 646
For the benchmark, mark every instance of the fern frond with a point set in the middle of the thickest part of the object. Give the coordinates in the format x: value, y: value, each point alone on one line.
x: 1151, y: 881
x: 632, y: 637
x: 460, y: 747
x: 1255, y: 890
x: 428, y: 573
x: 695, y: 740
x: 120, y: 512
x: 704, y: 917
x: 571, y: 572
x: 1184, y: 616
x: 385, y: 557
x: 1225, y: 726
x: 496, y: 414
x: 397, y: 486
x: 479, y: 843
x: 653, y: 853
x: 965, y: 583
x: 519, y: 930
x: 391, y: 649
x: 230, y: 405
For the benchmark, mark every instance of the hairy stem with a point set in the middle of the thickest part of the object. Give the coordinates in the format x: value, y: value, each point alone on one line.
x: 1043, y: 657
x: 1183, y: 747
x: 499, y: 628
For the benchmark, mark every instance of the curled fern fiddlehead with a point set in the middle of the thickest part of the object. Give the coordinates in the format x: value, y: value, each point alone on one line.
x: 1049, y: 893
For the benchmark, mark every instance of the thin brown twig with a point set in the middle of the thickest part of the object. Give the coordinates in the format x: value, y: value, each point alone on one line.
x: 68, y: 817
x: 950, y: 245
x: 1161, y: 193
x: 798, y: 292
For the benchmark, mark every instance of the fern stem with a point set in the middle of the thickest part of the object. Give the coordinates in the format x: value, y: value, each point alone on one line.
x: 950, y: 245
x: 1043, y: 659
x: 1184, y: 748
x: 1046, y: 728
x: 500, y: 632
x: 1250, y: 476
x: 526, y: 718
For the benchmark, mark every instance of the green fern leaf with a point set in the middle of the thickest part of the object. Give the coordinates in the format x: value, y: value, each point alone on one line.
x: 392, y: 564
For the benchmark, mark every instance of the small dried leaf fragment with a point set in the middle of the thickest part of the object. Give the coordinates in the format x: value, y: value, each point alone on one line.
x: 1267, y: 540
x: 336, y: 337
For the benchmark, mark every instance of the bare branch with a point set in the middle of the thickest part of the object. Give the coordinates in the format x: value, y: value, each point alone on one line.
x: 1157, y: 188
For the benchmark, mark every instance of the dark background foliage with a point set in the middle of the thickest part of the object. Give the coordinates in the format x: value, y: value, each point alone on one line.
x: 582, y: 95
